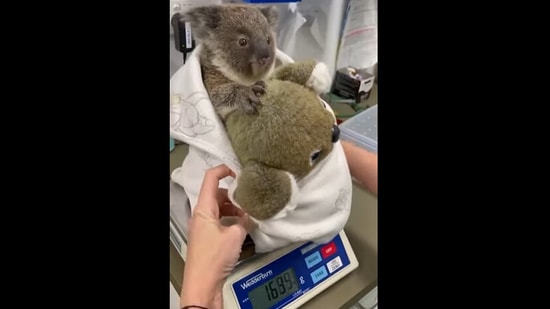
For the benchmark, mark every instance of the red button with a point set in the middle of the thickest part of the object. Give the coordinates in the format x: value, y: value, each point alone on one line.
x: 328, y: 250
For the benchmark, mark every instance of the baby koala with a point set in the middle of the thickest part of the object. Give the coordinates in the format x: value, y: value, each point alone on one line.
x: 237, y: 53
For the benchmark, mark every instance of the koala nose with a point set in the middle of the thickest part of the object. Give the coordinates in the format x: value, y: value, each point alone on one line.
x: 335, y: 133
x: 263, y: 53
x: 263, y: 60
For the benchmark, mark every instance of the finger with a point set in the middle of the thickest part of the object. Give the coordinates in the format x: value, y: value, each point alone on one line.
x: 245, y: 223
x: 223, y: 197
x: 231, y: 210
x: 209, y: 191
x: 212, y: 179
x: 238, y: 230
x: 218, y: 298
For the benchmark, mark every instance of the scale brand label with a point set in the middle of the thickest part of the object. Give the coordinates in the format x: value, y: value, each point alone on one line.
x: 250, y: 282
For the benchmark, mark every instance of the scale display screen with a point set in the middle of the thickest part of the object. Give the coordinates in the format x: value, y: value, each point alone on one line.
x: 271, y: 292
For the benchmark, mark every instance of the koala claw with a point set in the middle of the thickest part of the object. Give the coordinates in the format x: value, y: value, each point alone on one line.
x: 259, y: 88
x: 252, y: 104
x: 249, y: 100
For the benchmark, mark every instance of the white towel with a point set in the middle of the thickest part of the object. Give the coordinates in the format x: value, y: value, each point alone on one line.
x: 318, y: 210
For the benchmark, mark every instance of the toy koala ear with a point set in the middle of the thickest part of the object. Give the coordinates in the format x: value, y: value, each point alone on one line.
x: 203, y: 19
x: 272, y: 15
x: 263, y: 191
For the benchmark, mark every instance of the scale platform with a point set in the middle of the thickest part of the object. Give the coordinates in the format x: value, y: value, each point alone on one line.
x: 285, y: 278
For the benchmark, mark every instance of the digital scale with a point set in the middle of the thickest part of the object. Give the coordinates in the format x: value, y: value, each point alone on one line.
x: 285, y: 278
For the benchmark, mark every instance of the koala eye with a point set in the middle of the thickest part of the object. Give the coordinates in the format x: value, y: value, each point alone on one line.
x: 268, y: 40
x: 243, y: 42
x: 314, y: 156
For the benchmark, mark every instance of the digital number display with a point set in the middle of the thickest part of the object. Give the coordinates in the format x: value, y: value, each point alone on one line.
x: 273, y: 291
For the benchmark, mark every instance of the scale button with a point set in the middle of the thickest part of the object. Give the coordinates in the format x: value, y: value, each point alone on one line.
x: 308, y: 248
x: 319, y: 274
x: 334, y: 264
x: 313, y: 259
x: 328, y: 250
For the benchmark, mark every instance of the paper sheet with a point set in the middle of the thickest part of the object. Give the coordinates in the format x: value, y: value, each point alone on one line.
x: 311, y: 29
x: 359, y: 43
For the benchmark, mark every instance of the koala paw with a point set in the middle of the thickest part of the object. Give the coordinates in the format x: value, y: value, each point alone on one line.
x: 320, y: 79
x: 259, y: 88
x: 250, y: 101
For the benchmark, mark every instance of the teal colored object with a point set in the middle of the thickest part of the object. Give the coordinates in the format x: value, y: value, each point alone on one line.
x: 172, y: 144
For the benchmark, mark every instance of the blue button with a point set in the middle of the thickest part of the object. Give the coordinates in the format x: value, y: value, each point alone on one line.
x: 319, y: 274
x: 313, y: 259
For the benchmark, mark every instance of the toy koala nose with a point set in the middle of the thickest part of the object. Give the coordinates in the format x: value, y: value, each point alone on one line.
x: 335, y: 133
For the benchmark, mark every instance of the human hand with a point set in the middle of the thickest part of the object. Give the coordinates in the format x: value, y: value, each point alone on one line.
x: 213, y: 249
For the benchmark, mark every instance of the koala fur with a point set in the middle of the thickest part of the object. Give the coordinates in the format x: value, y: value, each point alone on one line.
x: 284, y: 141
x: 238, y: 53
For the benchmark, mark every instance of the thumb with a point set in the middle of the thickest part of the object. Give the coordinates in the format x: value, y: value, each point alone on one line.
x: 246, y: 223
x: 241, y: 227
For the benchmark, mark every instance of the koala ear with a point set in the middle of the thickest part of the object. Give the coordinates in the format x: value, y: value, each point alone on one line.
x: 263, y: 191
x: 203, y: 19
x: 272, y: 15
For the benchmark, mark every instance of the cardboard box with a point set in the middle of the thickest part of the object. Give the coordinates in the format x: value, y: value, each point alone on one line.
x: 353, y: 84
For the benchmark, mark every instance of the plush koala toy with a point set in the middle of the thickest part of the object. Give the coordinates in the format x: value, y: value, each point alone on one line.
x: 292, y: 131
